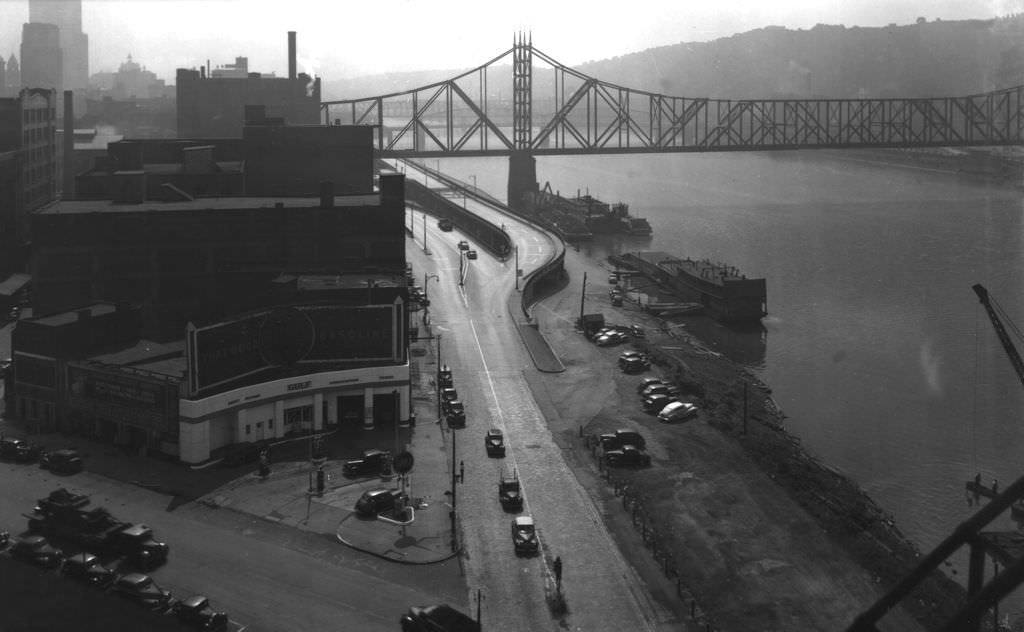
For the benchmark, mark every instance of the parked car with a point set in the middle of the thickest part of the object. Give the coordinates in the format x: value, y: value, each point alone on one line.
x: 616, y: 299
x: 439, y: 618
x: 678, y: 411
x: 615, y: 440
x: 630, y: 354
x: 611, y: 339
x: 18, y: 450
x: 456, y: 414
x: 627, y: 455
x: 660, y: 389
x: 494, y: 441
x: 37, y: 550
x: 634, y: 365
x: 371, y: 462
x: 86, y: 567
x: 471, y: 254
x: 444, y: 377
x: 61, y: 461
x: 197, y: 612
x: 142, y: 590
x: 463, y: 245
x: 613, y: 278
x: 637, y: 331
x: 524, y: 535
x: 377, y: 501
x: 445, y: 224
x: 655, y: 403
x: 448, y: 394
x: 649, y: 381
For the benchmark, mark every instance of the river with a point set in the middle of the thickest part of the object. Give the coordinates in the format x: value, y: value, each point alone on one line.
x: 876, y: 348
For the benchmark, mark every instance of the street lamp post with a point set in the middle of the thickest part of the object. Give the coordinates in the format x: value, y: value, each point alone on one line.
x: 426, y: 291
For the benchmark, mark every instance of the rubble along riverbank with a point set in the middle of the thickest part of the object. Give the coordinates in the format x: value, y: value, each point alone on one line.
x: 762, y: 535
x: 855, y: 522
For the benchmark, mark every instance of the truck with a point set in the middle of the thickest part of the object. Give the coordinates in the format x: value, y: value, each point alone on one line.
x: 98, y: 531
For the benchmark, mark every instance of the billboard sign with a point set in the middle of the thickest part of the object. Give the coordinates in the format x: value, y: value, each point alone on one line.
x: 293, y: 336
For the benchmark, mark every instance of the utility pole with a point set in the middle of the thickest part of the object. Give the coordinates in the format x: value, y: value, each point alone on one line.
x: 438, y: 379
x: 452, y: 512
x: 425, y: 251
x: 582, y: 297
x: 517, y: 266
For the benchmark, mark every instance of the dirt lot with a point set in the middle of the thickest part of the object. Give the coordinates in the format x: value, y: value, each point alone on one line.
x: 734, y: 525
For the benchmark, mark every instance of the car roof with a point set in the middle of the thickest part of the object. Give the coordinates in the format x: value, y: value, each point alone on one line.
x: 134, y: 579
x: 83, y: 558
x: 523, y: 521
x: 195, y: 601
x: 673, y: 406
x: 494, y: 432
x: 373, y: 451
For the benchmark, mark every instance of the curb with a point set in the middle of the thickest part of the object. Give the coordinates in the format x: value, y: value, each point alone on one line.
x: 388, y: 558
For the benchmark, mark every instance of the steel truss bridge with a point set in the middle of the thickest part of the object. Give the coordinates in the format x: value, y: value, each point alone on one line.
x: 557, y: 110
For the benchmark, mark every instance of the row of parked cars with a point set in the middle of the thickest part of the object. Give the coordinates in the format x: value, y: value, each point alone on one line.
x: 64, y: 461
x: 139, y: 588
x: 660, y: 397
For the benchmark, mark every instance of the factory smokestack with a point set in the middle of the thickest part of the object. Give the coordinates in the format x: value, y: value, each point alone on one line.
x: 291, y: 54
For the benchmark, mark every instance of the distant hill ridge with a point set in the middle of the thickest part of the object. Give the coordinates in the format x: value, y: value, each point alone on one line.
x: 936, y: 58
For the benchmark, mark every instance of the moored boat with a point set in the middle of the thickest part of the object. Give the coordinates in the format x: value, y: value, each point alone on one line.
x: 723, y: 292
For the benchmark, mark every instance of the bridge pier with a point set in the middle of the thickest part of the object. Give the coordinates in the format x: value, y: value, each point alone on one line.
x: 522, y: 178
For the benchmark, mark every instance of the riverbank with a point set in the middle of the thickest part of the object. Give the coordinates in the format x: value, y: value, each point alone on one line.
x: 762, y: 535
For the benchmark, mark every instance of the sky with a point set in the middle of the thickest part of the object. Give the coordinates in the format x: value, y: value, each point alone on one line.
x: 339, y: 39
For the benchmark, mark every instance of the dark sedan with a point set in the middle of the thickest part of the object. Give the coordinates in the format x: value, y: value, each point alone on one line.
x: 370, y: 463
x: 37, y: 550
x: 142, y: 590
x: 495, y: 442
x: 61, y: 461
x: 87, y: 568
x: 18, y: 450
x: 437, y: 618
x: 627, y: 456
x: 197, y: 613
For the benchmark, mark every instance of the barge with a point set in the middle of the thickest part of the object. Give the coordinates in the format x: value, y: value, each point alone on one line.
x: 725, y: 294
x: 581, y: 217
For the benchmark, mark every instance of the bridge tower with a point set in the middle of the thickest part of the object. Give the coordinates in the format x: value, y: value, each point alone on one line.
x: 522, y: 166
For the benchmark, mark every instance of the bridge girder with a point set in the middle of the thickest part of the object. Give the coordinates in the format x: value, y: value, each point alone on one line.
x: 569, y: 112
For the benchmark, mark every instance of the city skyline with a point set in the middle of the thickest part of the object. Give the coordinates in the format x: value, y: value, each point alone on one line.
x: 573, y: 32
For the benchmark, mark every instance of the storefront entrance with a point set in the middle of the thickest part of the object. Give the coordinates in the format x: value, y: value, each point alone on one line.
x: 350, y: 411
x: 298, y: 419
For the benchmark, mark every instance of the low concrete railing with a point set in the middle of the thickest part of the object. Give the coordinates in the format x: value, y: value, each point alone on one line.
x: 539, y: 282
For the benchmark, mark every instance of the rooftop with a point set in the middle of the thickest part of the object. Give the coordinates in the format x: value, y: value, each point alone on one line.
x: 242, y: 203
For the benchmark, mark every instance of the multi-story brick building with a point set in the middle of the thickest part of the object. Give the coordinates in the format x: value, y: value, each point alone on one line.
x: 214, y: 107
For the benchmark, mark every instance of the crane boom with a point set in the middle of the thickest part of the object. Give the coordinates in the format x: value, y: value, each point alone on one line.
x: 1011, y: 351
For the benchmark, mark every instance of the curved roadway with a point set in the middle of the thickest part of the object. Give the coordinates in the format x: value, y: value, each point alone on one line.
x: 479, y: 341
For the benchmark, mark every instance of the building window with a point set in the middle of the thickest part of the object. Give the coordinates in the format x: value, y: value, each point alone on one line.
x: 247, y: 429
x: 270, y: 423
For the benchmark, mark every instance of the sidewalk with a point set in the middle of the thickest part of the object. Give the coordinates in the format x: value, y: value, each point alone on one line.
x: 286, y: 496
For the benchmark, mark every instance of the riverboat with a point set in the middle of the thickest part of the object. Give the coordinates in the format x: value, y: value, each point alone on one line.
x: 724, y: 293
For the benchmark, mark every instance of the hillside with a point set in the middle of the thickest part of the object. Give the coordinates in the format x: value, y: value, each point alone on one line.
x: 936, y: 58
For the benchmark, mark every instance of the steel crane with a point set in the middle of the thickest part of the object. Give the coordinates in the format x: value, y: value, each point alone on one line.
x: 997, y: 323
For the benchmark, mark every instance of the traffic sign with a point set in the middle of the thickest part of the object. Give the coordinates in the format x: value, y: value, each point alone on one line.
x: 403, y: 462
